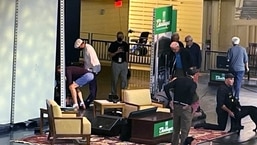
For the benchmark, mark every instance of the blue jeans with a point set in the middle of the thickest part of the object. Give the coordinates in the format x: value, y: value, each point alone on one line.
x: 85, y: 79
x: 237, y: 82
x: 88, y: 78
x: 93, y: 90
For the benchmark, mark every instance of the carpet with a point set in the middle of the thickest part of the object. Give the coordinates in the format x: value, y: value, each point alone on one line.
x: 200, y: 135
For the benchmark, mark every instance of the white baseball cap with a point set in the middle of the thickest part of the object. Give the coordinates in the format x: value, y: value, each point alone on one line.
x: 77, y: 43
x: 235, y: 40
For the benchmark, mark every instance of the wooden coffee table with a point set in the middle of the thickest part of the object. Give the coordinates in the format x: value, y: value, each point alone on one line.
x: 100, y: 105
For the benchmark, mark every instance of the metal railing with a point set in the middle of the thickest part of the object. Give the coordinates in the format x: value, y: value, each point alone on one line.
x: 101, y: 48
x: 141, y: 53
x: 138, y: 53
x: 218, y: 60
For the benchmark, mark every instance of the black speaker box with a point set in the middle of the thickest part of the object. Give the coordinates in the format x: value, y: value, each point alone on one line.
x: 222, y: 62
x: 106, y: 125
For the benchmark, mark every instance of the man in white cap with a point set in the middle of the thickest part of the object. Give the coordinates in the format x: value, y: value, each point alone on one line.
x: 93, y: 66
x: 238, y: 63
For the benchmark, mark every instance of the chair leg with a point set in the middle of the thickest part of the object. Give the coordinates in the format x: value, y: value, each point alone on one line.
x: 88, y: 140
x: 53, y: 141
x: 48, y: 136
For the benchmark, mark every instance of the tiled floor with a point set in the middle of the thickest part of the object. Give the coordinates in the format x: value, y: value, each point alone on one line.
x: 140, y: 79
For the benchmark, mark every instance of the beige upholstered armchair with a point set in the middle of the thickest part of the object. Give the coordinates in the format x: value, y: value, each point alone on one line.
x: 139, y: 99
x: 66, y: 125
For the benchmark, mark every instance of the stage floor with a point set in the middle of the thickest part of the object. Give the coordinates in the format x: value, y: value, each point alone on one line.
x: 140, y: 79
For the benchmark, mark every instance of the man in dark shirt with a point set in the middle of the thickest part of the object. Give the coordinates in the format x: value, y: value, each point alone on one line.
x: 184, y: 89
x: 180, y: 60
x: 77, y: 77
x: 118, y: 52
x: 175, y: 38
x: 227, y: 104
x: 195, y: 52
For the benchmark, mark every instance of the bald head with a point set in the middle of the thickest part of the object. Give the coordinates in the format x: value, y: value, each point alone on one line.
x: 174, y: 46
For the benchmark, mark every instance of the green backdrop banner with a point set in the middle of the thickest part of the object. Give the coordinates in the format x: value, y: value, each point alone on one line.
x: 162, y: 20
x: 164, y: 23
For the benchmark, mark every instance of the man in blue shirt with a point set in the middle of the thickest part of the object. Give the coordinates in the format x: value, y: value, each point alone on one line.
x: 238, y: 63
x: 180, y: 60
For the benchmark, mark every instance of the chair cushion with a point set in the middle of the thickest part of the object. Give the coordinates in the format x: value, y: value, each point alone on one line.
x: 56, y: 109
x: 137, y: 96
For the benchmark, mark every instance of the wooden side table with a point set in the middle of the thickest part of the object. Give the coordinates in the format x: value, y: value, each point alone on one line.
x: 100, y: 105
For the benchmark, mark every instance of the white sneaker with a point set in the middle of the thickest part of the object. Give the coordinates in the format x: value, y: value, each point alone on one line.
x: 75, y: 106
x: 82, y: 104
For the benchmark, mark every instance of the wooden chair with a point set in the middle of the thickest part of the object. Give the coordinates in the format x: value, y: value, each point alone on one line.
x: 63, y: 124
x: 139, y: 99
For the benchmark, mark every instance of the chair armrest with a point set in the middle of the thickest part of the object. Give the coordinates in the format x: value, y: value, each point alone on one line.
x: 69, y: 114
x: 133, y: 105
x: 69, y: 118
x: 157, y: 104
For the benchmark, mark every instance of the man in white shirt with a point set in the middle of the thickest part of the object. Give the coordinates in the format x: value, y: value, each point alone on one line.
x: 92, y: 64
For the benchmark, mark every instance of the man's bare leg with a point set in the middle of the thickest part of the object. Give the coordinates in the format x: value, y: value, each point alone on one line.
x: 73, y: 91
x: 79, y: 93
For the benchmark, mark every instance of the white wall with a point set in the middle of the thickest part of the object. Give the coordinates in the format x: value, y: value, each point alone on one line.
x: 7, y: 9
x: 36, y: 50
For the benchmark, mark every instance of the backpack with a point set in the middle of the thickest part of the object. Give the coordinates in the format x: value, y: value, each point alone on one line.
x: 161, y: 97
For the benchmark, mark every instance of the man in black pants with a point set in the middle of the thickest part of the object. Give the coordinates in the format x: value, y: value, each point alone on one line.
x: 184, y: 92
x: 227, y: 104
x: 119, y: 53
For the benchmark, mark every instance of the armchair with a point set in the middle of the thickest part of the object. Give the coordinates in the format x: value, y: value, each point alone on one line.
x: 139, y: 99
x: 66, y: 125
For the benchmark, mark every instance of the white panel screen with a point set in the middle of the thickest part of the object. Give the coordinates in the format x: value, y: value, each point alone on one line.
x: 35, y: 57
x: 7, y: 13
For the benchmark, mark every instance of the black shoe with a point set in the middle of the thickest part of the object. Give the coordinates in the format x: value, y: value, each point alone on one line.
x: 236, y: 129
x: 188, y: 140
x: 200, y: 125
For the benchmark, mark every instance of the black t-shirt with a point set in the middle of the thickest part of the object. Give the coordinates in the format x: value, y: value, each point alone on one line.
x: 225, y: 97
x: 122, y: 55
x: 73, y: 73
x: 184, y: 89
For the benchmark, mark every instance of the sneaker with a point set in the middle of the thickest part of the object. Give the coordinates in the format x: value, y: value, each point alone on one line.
x: 75, y: 106
x: 82, y: 104
x: 200, y: 125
